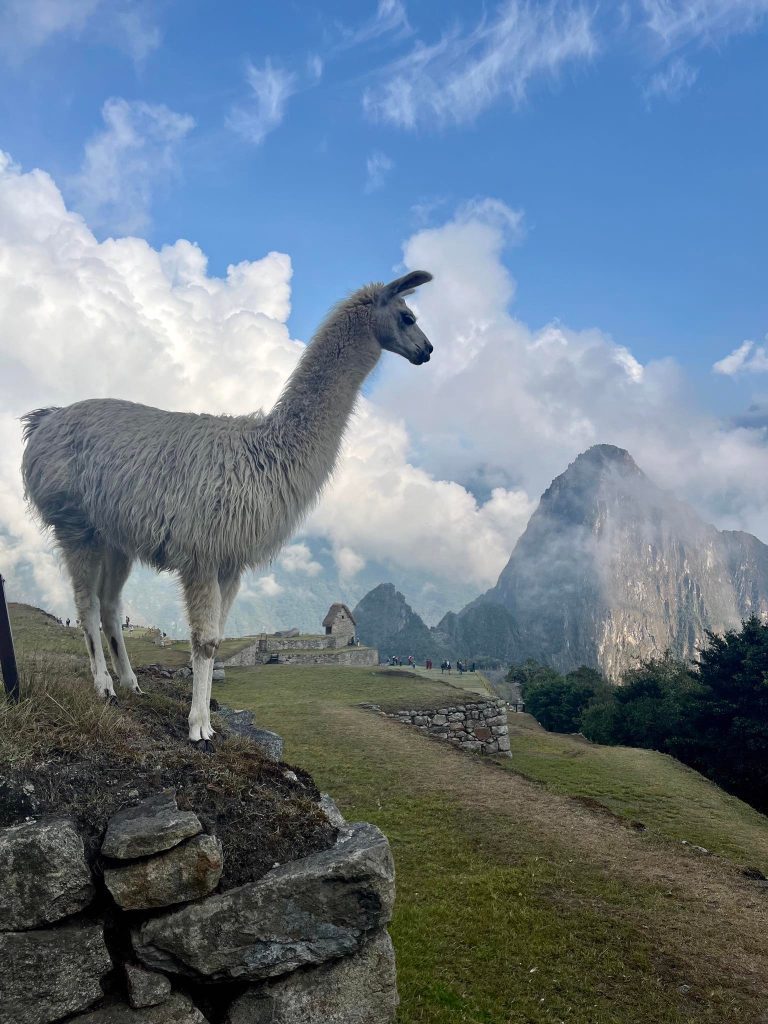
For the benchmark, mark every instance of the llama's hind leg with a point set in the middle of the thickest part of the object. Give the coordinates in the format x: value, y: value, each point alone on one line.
x: 117, y: 568
x: 228, y: 587
x: 86, y: 565
x: 203, y: 600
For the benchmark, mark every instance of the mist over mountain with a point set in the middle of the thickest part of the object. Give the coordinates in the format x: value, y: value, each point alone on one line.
x: 611, y: 569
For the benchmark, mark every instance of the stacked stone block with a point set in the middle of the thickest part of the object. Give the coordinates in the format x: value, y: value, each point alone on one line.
x: 147, y: 938
x: 479, y: 726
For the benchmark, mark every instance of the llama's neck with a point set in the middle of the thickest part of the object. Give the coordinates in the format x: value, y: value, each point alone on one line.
x: 309, y: 419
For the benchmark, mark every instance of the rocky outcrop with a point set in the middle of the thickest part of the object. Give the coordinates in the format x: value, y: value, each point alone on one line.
x: 299, y: 914
x: 360, y: 989
x: 47, y: 974
x: 305, y: 942
x: 43, y: 874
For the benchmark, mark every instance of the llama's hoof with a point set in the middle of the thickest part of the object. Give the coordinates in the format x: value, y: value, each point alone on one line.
x: 204, y: 746
x: 110, y: 698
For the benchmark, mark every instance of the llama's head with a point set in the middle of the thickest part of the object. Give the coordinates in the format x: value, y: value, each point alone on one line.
x: 394, y: 324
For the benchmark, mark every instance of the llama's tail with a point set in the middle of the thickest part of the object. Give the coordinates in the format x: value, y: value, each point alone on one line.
x: 33, y: 419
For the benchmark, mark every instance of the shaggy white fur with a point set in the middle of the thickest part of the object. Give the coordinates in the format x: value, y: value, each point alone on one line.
x: 204, y: 496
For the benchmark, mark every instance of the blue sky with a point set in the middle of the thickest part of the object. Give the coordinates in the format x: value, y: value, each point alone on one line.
x: 594, y: 172
x: 646, y: 215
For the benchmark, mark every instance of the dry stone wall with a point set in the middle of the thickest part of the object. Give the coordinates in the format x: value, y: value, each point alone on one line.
x: 478, y: 726
x: 145, y: 937
x: 320, y: 651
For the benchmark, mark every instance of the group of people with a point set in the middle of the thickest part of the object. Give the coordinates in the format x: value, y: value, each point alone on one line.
x: 445, y: 666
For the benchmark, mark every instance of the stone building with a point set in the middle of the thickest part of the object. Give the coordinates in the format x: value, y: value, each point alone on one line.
x: 340, y: 623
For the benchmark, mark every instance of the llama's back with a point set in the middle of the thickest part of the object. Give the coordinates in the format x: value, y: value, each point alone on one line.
x: 164, y: 487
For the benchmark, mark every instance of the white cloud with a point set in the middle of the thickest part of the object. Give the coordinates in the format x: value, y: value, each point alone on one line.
x: 747, y: 358
x: 348, y: 562
x: 270, y: 89
x: 378, y: 166
x: 457, y: 78
x: 267, y: 585
x: 297, y: 558
x: 391, y: 18
x: 675, y: 23
x: 136, y: 152
x: 672, y: 81
x: 443, y: 463
x: 27, y: 25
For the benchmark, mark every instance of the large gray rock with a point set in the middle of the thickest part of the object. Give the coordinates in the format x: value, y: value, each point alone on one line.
x: 187, y: 872
x: 43, y: 874
x: 45, y: 975
x: 239, y: 722
x: 177, y: 1010
x: 154, y: 825
x: 146, y: 988
x: 305, y: 912
x: 358, y: 989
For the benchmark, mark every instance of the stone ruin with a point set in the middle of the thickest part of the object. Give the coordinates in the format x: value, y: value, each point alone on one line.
x: 476, y: 726
x: 144, y: 937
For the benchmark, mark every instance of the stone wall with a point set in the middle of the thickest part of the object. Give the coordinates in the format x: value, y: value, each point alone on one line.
x: 478, y: 726
x: 144, y: 936
x: 316, y: 650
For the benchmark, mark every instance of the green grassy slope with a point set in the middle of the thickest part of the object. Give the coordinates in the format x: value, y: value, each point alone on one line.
x: 517, y: 904
x: 641, y: 786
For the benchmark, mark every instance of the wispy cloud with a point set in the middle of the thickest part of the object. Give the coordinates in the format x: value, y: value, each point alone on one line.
x: 123, y: 164
x: 270, y: 89
x: 391, y: 18
x: 747, y: 358
x: 704, y: 22
x: 465, y: 72
x: 27, y: 25
x: 378, y: 166
x: 672, y: 81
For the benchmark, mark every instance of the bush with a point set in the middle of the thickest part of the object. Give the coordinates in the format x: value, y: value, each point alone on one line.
x: 558, y: 702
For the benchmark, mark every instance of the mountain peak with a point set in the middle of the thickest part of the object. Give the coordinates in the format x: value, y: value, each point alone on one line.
x: 606, y: 455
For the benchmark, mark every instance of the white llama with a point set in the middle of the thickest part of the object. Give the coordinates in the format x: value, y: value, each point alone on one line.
x: 204, y: 496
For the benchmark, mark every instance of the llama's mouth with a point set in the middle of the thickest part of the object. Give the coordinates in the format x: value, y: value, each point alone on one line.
x: 422, y: 357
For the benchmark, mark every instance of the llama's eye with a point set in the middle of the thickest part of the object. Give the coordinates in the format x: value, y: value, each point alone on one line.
x: 408, y: 319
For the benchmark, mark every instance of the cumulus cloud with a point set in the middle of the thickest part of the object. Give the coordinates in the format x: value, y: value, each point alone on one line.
x: 297, y: 558
x: 136, y: 152
x: 378, y: 166
x: 747, y: 358
x: 81, y: 318
x: 270, y: 89
x: 458, y: 77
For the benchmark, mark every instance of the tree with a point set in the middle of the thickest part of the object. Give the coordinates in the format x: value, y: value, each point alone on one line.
x: 554, y: 700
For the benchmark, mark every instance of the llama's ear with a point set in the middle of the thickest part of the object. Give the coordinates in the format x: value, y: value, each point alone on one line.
x: 404, y: 285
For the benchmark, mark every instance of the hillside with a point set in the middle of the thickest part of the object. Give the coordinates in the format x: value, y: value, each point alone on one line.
x: 524, y: 893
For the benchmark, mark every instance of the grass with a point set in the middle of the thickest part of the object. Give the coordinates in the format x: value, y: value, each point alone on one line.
x: 524, y: 894
x: 642, y: 786
x: 516, y: 903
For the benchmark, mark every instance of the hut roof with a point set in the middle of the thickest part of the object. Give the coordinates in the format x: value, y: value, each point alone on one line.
x: 334, y: 611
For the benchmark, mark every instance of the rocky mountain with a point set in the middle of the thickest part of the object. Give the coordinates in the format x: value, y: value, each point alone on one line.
x: 386, y: 621
x: 611, y: 569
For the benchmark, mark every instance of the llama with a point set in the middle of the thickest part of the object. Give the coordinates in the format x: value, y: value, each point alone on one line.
x: 203, y: 496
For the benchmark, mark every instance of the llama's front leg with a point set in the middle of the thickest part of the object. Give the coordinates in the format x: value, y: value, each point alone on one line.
x: 203, y: 598
x: 116, y: 571
x: 85, y: 568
